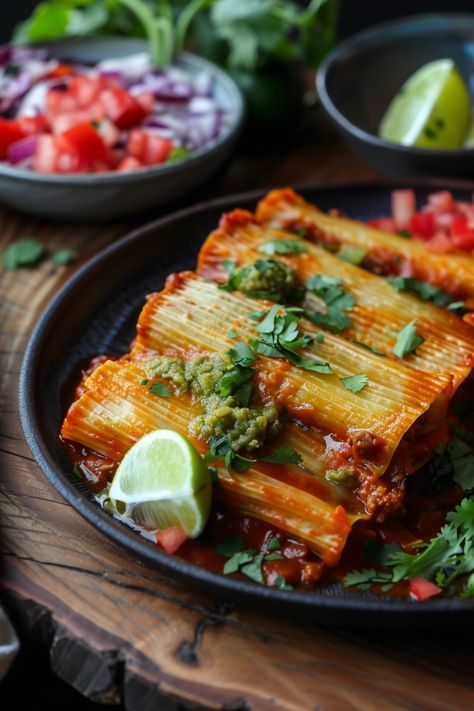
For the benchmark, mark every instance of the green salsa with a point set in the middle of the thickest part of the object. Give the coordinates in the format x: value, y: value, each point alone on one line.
x: 265, y: 279
x: 224, y: 391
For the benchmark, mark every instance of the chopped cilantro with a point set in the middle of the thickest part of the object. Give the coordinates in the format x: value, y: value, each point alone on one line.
x: 353, y: 255
x: 229, y: 265
x: 178, y: 153
x: 426, y: 291
x: 257, y: 315
x: 144, y: 381
x: 337, y: 301
x: 231, y: 333
x: 253, y: 569
x: 230, y: 545
x: 237, y: 462
x: 62, y: 257
x: 160, y: 389
x: 283, y: 246
x: 238, y: 559
x: 379, y: 554
x: 372, y: 349
x: 404, y: 233
x: 355, y: 383
x: 445, y: 558
x: 22, y: 253
x: 283, y: 455
x: 241, y: 354
x: 281, y: 583
x: 273, y: 544
x: 407, y: 340
x: 274, y: 556
x: 319, y: 338
x: 457, y: 307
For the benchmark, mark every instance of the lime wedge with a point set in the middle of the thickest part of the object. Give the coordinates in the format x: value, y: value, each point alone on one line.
x: 431, y: 110
x: 164, y: 482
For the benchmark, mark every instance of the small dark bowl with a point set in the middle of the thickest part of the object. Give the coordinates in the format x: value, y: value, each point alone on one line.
x: 360, y: 77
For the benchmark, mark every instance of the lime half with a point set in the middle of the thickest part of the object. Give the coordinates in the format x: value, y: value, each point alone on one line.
x: 164, y: 482
x: 431, y: 110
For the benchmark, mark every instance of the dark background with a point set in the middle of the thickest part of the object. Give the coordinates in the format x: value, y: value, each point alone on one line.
x: 355, y: 14
x: 30, y: 681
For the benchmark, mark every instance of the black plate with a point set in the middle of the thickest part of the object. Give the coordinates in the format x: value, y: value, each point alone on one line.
x: 96, y: 312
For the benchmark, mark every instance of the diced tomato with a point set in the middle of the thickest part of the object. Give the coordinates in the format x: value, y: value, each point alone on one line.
x: 46, y: 155
x: 462, y: 235
x: 60, y: 100
x: 30, y: 125
x: 10, y: 132
x: 85, y: 89
x: 403, y: 207
x: 440, y: 243
x: 128, y: 163
x: 386, y: 224
x: 61, y: 70
x: 86, y: 144
x: 422, y: 589
x: 148, y: 148
x: 441, y: 201
x: 422, y: 224
x: 146, y: 100
x: 121, y: 108
x: 170, y: 539
x: 109, y: 132
x: 63, y: 122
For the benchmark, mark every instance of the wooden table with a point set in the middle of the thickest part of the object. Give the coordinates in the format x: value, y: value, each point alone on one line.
x: 118, y: 630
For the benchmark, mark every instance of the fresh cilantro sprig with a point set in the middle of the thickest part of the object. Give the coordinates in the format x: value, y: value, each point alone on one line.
x: 353, y: 255
x: 427, y: 292
x: 283, y: 455
x: 279, y: 337
x: 355, y: 383
x: 248, y: 562
x: 408, y: 340
x: 283, y: 246
x: 336, y: 299
x: 444, y: 559
x: 454, y: 462
x: 24, y: 252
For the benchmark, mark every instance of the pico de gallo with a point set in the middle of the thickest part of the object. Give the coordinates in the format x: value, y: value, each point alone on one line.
x: 442, y: 223
x: 118, y: 115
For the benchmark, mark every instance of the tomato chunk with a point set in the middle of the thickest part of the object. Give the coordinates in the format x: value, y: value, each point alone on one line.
x: 10, y: 132
x: 403, y: 207
x: 30, y: 125
x: 170, y: 539
x: 128, y: 163
x: 386, y: 224
x: 149, y: 148
x: 422, y: 589
x: 86, y: 144
x: 60, y: 100
x: 462, y: 235
x: 121, y: 108
x: 46, y: 155
x: 422, y: 224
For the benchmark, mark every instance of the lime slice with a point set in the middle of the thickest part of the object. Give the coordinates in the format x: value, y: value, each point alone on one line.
x: 431, y: 110
x: 164, y: 482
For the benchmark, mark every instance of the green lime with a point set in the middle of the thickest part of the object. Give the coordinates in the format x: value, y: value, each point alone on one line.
x: 431, y: 110
x: 164, y: 482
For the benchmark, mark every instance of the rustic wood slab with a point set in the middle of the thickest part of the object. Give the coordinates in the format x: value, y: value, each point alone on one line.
x: 119, y: 631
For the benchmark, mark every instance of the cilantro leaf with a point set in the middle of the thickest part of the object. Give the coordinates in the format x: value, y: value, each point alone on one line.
x: 234, y: 379
x: 160, y: 389
x: 253, y: 569
x: 281, y: 584
x: 283, y: 455
x: 355, y: 383
x: 241, y: 354
x: 22, y: 253
x: 273, y: 544
x: 62, y: 257
x: 283, y: 246
x: 238, y: 559
x: 379, y: 554
x: 231, y: 333
x: 337, y: 300
x: 372, y: 349
x: 230, y: 545
x: 407, y: 340
x: 353, y: 255
x: 426, y: 291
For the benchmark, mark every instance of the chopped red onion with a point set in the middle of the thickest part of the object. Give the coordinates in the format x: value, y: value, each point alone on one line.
x: 22, y: 150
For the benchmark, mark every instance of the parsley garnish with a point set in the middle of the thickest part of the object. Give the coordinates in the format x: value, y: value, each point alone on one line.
x: 220, y: 449
x: 241, y: 354
x: 443, y: 559
x: 353, y: 255
x: 22, y: 253
x: 355, y: 383
x: 62, y: 257
x: 427, y: 292
x: 238, y: 559
x: 279, y: 338
x: 229, y: 265
x: 283, y: 455
x: 337, y: 301
x: 160, y: 389
x: 283, y: 246
x: 407, y: 340
x: 231, y: 333
x: 273, y: 544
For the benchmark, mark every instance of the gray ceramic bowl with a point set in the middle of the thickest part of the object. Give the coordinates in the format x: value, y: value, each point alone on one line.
x: 359, y: 78
x: 109, y: 195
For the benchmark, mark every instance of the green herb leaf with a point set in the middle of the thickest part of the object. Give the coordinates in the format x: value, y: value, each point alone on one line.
x: 283, y: 246
x: 379, y: 554
x: 353, y: 255
x: 273, y: 544
x: 281, y: 584
x: 231, y: 333
x: 424, y: 291
x: 178, y: 153
x: 253, y: 569
x: 355, y: 383
x: 372, y: 349
x: 236, y: 561
x: 160, y: 389
x: 229, y: 546
x: 62, y: 257
x: 407, y: 340
x: 283, y: 455
x: 241, y: 354
x: 22, y: 253
x: 275, y: 556
x: 257, y: 315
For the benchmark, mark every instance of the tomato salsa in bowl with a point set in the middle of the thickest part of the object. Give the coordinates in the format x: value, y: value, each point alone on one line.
x: 91, y: 130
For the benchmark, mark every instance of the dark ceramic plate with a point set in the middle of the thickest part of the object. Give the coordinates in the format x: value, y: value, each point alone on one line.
x: 96, y: 312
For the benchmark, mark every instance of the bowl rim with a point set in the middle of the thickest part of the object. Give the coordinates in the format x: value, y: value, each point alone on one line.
x: 113, y: 177
x: 375, y: 36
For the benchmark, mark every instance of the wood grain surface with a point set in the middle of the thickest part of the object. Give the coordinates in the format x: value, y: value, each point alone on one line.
x: 119, y: 631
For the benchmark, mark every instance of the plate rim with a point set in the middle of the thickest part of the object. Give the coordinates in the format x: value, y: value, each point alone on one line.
x: 218, y: 585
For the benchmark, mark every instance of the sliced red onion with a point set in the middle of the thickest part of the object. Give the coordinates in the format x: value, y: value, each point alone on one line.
x: 5, y: 54
x: 22, y: 150
x: 33, y: 102
x: 201, y: 105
